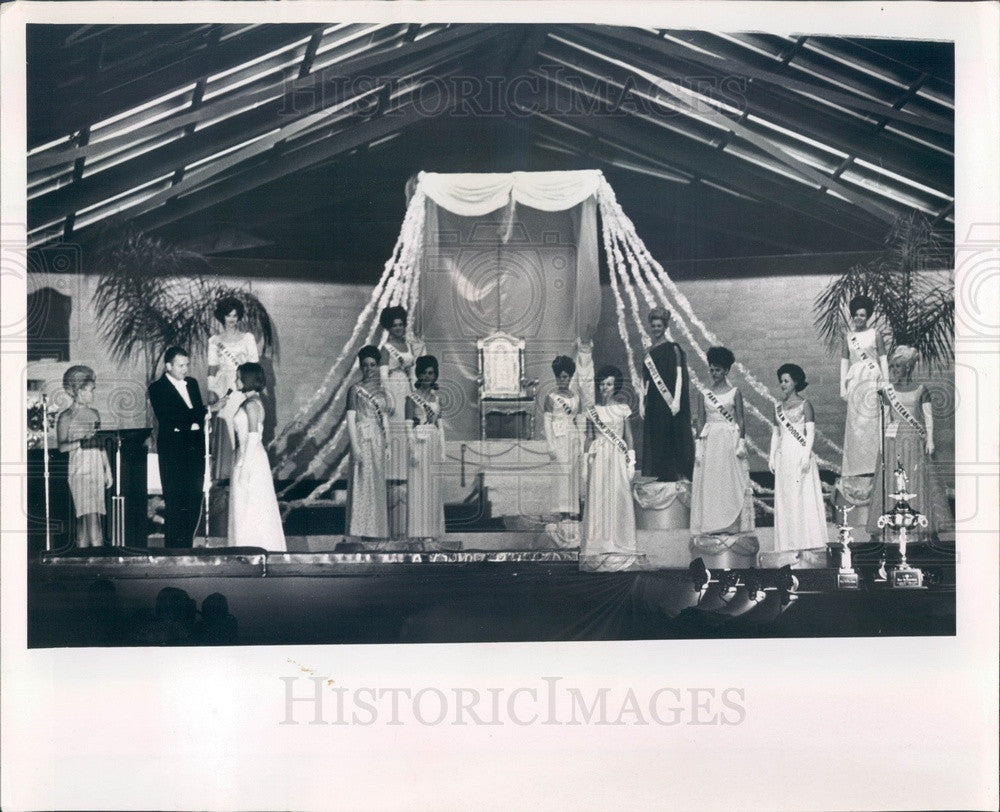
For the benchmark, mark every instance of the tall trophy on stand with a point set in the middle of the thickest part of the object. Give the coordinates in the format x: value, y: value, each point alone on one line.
x: 847, y: 578
x: 902, y: 519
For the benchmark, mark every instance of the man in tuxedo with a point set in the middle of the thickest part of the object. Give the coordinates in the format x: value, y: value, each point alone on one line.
x: 668, y: 445
x: 180, y: 441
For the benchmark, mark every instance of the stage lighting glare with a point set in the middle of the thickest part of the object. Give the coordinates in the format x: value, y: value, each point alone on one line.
x: 727, y: 582
x: 751, y: 580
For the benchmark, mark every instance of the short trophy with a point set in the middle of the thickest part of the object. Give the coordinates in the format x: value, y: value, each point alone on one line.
x: 847, y: 578
x: 902, y: 519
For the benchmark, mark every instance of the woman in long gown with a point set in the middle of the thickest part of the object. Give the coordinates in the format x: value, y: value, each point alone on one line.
x: 799, y: 513
x: 862, y: 366
x: 227, y: 349
x: 721, y: 496
x: 89, y: 470
x: 563, y: 437
x: 367, y: 514
x: 609, y: 542
x: 396, y: 368
x: 909, y: 439
x: 254, y: 518
x: 425, y: 503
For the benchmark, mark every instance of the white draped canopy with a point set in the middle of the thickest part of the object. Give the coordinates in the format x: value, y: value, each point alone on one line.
x: 476, y: 195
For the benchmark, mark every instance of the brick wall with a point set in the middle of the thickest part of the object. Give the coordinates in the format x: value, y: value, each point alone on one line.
x: 765, y: 321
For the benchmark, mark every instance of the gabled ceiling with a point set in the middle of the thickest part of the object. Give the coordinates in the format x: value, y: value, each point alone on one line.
x: 294, y: 142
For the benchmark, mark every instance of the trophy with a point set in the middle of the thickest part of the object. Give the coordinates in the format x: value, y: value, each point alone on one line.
x: 903, y: 518
x: 847, y: 578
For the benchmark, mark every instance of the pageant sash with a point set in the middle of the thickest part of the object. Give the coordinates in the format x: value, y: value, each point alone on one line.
x: 906, y: 414
x: 562, y: 403
x: 783, y: 419
x: 396, y: 354
x: 717, y: 404
x: 373, y: 402
x: 419, y: 399
x: 605, y: 430
x: 660, y: 384
x: 866, y: 359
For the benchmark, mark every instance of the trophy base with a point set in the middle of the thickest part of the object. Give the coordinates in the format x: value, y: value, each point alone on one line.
x: 848, y: 579
x: 906, y: 578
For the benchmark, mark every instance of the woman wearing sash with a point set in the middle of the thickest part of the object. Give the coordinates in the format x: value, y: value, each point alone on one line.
x: 563, y: 437
x: 609, y: 542
x: 396, y: 371
x: 909, y: 438
x: 227, y: 349
x: 425, y: 503
x: 367, y: 514
x: 721, y: 497
x: 799, y: 513
x: 862, y: 366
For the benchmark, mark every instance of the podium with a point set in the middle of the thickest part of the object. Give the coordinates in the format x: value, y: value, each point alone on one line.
x: 130, y: 469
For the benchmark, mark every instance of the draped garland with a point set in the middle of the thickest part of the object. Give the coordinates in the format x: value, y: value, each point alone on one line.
x: 319, y: 426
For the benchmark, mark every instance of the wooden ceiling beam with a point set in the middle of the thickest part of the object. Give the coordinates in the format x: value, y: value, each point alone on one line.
x: 800, y: 115
x: 703, y: 161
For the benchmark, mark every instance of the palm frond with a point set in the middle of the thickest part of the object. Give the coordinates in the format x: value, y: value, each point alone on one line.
x: 910, y: 307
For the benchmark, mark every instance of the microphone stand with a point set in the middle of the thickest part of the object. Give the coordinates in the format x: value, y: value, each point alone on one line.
x: 207, y: 484
x: 118, y: 501
x: 45, y: 468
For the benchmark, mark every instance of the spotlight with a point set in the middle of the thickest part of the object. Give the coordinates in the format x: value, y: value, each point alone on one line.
x: 699, y: 574
x: 752, y: 582
x: 727, y: 583
x: 788, y: 584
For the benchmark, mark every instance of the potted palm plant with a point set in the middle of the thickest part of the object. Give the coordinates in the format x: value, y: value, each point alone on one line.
x: 914, y: 307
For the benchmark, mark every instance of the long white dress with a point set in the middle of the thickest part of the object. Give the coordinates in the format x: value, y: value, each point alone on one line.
x: 608, y: 542
x: 799, y: 514
x: 227, y: 356
x: 721, y: 497
x: 425, y: 498
x: 254, y: 518
x: 861, y: 430
x: 397, y: 384
x: 366, y: 504
x: 567, y: 445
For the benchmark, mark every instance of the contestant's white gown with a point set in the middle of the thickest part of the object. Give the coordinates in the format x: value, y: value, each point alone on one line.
x: 721, y: 499
x: 799, y: 514
x: 609, y: 543
x: 567, y: 445
x: 861, y: 430
x: 425, y: 498
x: 367, y: 512
x: 254, y: 519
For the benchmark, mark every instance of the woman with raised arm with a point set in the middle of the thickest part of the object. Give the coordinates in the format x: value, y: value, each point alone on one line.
x: 862, y: 366
x: 227, y: 349
x: 396, y: 369
x: 721, y: 496
x: 909, y: 441
x: 609, y: 540
x: 563, y: 438
x: 425, y: 502
x: 254, y: 518
x: 367, y: 513
x: 799, y: 513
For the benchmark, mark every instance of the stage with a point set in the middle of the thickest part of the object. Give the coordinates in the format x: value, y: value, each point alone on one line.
x: 446, y: 596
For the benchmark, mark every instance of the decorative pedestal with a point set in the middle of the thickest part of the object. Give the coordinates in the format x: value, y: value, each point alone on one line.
x: 728, y: 552
x: 662, y: 505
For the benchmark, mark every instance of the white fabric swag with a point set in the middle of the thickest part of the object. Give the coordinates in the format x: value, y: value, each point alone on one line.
x: 472, y: 195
